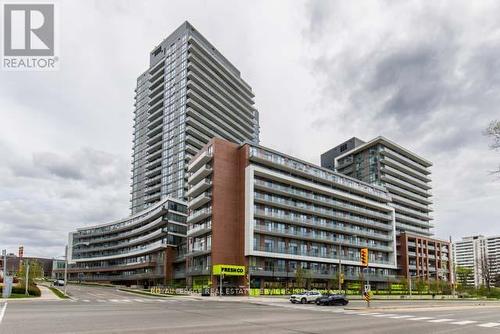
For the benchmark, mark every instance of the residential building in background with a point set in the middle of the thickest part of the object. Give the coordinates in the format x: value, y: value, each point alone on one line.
x: 142, y: 249
x: 406, y: 176
x: 189, y: 94
x: 403, y: 173
x: 424, y: 258
x: 14, y: 262
x: 480, y: 254
x: 259, y: 209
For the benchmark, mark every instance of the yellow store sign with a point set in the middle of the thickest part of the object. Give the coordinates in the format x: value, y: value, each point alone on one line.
x: 228, y: 270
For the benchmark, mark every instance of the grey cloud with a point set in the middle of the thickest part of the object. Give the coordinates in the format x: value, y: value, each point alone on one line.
x: 429, y: 80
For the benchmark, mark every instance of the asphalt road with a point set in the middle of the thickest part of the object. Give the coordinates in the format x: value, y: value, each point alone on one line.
x: 106, y: 310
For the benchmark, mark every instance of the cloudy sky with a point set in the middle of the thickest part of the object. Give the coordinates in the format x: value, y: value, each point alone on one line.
x: 423, y: 73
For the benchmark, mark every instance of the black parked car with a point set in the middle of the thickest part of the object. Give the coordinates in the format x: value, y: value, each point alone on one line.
x: 332, y: 299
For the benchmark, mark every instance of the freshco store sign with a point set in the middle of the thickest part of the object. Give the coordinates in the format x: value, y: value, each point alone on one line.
x: 228, y: 270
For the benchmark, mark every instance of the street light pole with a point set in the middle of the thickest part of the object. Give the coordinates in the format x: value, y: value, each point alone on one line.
x: 65, y: 268
x: 340, y: 267
x: 4, y: 253
x: 27, y: 277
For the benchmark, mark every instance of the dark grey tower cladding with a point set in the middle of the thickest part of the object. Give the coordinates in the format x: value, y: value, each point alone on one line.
x: 190, y: 94
x: 328, y: 158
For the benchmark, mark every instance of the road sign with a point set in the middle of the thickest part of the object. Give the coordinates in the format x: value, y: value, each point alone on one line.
x: 367, y: 288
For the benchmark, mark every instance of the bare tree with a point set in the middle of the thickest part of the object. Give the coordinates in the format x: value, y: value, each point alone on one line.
x: 488, y: 271
x: 493, y: 131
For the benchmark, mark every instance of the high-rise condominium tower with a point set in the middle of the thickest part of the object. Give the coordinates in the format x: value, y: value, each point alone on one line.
x: 403, y: 173
x: 189, y: 94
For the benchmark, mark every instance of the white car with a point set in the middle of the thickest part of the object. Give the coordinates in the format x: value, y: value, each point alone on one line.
x: 305, y: 297
x: 59, y: 282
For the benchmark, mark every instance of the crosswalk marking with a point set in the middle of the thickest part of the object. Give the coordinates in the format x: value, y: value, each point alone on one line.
x: 464, y: 322
x: 441, y: 320
x: 402, y: 317
x: 490, y: 324
x: 420, y: 318
x: 384, y: 315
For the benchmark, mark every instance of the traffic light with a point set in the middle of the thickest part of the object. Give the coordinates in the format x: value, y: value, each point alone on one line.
x: 364, y: 257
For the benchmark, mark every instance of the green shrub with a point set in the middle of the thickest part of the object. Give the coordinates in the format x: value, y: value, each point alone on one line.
x: 33, y: 290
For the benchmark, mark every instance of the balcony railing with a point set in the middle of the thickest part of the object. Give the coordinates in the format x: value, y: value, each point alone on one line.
x: 316, y: 172
x: 327, y: 255
x: 337, y: 215
x: 322, y: 238
x: 319, y: 198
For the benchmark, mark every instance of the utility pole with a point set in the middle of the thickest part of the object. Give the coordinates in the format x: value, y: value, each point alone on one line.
x: 409, y: 283
x: 4, y: 253
x: 65, y: 268
x: 340, y: 268
x: 220, y: 285
x: 27, y: 278
x: 452, y: 268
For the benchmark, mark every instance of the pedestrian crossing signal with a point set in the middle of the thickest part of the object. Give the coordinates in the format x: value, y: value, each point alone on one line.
x: 364, y: 257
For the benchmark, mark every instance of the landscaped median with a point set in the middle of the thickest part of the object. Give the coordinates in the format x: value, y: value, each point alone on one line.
x: 58, y: 292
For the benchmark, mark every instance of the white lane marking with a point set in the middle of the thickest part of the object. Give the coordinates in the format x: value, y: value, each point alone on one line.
x: 420, y: 318
x: 441, y: 320
x: 139, y: 300
x: 490, y: 324
x: 114, y: 300
x: 363, y: 313
x: 101, y: 301
x: 2, y: 312
x: 385, y: 315
x: 85, y: 300
x: 375, y: 313
x: 465, y: 322
x: 126, y: 300
x: 403, y: 317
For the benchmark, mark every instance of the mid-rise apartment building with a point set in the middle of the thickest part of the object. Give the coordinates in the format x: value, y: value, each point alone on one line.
x: 480, y: 254
x: 189, y: 94
x: 403, y: 173
x: 142, y: 249
x: 424, y: 258
x: 270, y: 213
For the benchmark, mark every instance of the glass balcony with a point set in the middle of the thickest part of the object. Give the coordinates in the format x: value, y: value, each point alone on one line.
x: 199, y: 215
x: 322, y: 238
x: 319, y: 255
x: 291, y: 216
x: 319, y: 173
x: 199, y: 188
x: 269, y: 186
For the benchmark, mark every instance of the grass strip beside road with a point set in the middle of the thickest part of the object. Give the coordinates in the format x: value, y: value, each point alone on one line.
x: 58, y: 292
x: 20, y: 295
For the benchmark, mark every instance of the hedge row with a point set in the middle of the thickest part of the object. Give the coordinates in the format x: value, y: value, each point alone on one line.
x: 33, y: 290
